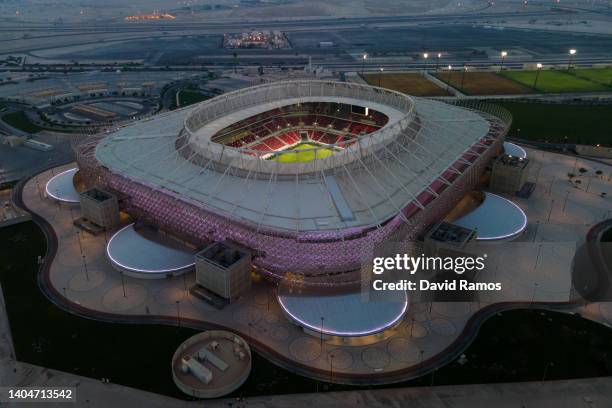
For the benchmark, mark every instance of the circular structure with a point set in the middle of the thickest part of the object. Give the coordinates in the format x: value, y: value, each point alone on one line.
x: 306, y: 174
x: 514, y: 150
x: 61, y: 187
x: 142, y: 252
x: 211, y: 364
x: 345, y: 315
x: 496, y: 218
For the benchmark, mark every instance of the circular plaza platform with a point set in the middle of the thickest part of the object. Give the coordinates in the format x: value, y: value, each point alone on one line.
x: 496, y: 218
x: 514, y: 150
x: 144, y: 252
x: 61, y: 187
x: 211, y: 364
x: 345, y: 315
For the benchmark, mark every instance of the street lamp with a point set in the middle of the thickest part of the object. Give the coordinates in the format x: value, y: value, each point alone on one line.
x: 572, y: 52
x: 438, y: 60
x: 535, y: 82
x: 380, y: 75
x: 363, y: 60
x: 425, y: 56
x: 450, y: 70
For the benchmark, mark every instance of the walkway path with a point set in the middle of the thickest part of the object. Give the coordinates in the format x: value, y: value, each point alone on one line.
x: 430, y: 336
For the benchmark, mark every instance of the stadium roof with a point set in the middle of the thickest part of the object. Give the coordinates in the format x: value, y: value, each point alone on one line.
x: 361, y: 186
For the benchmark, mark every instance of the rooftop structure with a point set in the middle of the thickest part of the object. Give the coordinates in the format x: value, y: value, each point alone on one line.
x: 100, y: 208
x: 450, y: 234
x: 224, y: 270
x: 509, y: 174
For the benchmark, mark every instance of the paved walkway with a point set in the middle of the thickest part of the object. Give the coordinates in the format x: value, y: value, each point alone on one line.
x: 80, y: 278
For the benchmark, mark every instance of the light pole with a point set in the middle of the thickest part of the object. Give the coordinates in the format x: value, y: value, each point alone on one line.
x: 425, y: 56
x: 535, y: 82
x: 438, y: 60
x: 363, y: 60
x: 504, y: 54
x: 450, y: 70
x: 572, y: 52
x: 465, y: 68
x: 550, y: 363
x: 380, y: 75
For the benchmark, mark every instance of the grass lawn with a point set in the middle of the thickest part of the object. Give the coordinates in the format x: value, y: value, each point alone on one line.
x: 602, y: 76
x: 303, y: 153
x: 408, y: 83
x: 189, y: 97
x: 482, y: 83
x: 20, y: 120
x: 555, y: 81
x: 583, y: 124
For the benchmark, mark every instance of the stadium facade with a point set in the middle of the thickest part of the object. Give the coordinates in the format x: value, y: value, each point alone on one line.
x: 309, y: 175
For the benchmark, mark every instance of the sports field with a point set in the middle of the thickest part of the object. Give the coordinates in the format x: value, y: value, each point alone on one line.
x: 303, y: 153
x: 408, y: 83
x: 563, y: 123
x: 601, y: 76
x: 482, y: 83
x: 560, y: 81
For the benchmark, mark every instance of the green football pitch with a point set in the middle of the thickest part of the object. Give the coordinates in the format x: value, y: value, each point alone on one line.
x: 303, y: 152
x: 557, y: 81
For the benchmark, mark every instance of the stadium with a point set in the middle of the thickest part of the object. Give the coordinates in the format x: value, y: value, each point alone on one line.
x: 308, y: 175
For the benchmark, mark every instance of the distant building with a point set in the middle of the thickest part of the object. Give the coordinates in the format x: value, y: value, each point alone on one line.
x: 509, y: 174
x: 100, y: 208
x: 224, y: 270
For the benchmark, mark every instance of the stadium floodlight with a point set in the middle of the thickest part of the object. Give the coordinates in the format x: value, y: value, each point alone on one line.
x: 572, y: 52
x: 465, y: 69
x: 380, y: 75
x: 425, y: 56
x: 535, y: 82
x: 450, y: 70
x: 438, y: 60
x: 504, y: 54
x: 364, y: 58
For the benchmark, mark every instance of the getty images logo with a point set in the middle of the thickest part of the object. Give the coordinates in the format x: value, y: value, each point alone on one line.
x: 412, y: 264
